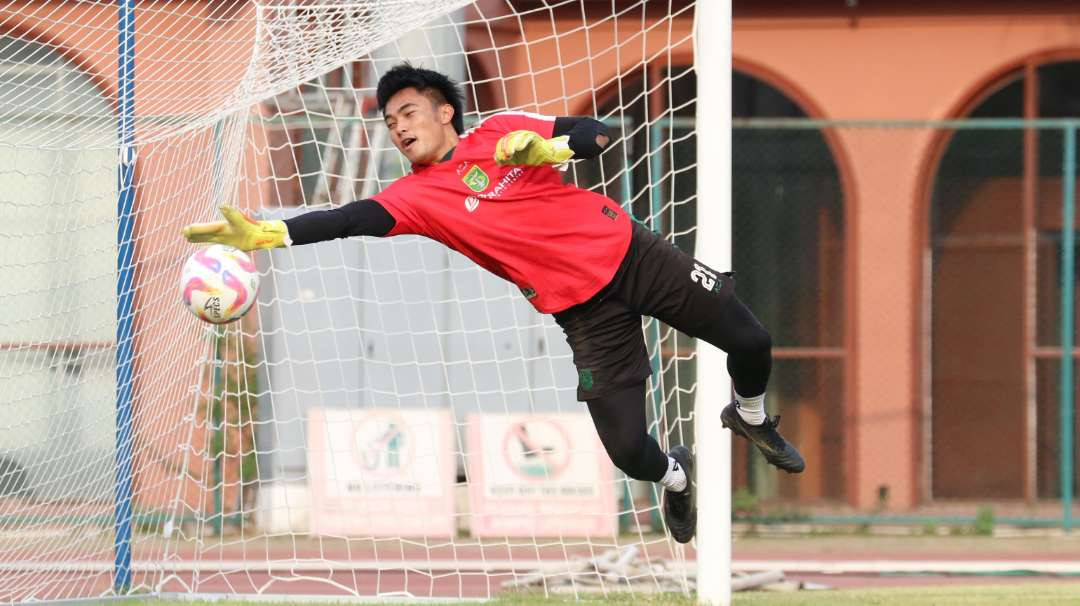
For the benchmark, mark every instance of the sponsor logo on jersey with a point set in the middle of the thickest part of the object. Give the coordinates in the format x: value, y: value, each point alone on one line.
x: 471, y: 203
x: 508, y: 179
x: 476, y: 179
x: 610, y: 213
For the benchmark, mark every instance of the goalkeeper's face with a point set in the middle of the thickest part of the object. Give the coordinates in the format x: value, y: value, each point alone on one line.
x: 421, y: 129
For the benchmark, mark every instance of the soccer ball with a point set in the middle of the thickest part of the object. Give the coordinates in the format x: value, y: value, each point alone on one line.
x: 219, y: 283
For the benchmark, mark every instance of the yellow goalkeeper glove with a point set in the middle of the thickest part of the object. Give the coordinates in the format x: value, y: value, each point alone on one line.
x: 524, y: 147
x: 239, y: 231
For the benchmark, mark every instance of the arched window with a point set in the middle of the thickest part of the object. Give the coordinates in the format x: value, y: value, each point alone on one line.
x: 57, y: 276
x: 992, y: 188
x: 788, y: 253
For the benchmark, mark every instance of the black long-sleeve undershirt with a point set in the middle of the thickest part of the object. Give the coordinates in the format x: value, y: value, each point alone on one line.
x: 369, y: 218
x: 360, y: 218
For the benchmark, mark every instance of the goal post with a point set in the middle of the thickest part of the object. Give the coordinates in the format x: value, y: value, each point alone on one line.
x: 712, y: 38
x: 125, y: 294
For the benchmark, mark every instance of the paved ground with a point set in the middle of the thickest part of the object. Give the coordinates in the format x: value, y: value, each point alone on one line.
x: 345, y: 568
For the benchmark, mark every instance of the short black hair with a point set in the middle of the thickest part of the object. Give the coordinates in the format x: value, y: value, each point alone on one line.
x: 440, y: 88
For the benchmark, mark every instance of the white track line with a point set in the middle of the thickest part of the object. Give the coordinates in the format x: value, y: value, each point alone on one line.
x: 554, y: 567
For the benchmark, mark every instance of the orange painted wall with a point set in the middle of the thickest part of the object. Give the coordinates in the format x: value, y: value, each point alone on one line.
x: 893, y: 67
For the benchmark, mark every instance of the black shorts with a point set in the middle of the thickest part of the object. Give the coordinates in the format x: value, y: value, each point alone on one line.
x: 654, y: 279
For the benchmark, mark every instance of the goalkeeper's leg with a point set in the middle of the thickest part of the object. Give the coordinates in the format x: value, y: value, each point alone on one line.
x: 620, y: 421
x: 666, y: 283
x: 612, y: 363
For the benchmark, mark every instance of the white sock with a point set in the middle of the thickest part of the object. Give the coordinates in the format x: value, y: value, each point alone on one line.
x: 752, y: 409
x: 675, y: 478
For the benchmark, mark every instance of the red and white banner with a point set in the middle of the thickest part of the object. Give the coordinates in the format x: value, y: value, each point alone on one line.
x: 539, y: 475
x: 381, y: 472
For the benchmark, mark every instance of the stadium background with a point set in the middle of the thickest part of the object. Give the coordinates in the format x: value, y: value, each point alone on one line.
x: 908, y: 270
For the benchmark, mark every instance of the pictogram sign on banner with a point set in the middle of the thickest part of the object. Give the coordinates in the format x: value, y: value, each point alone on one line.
x: 381, y: 472
x: 538, y: 475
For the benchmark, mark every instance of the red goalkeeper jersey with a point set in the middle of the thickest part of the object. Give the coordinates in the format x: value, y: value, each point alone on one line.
x: 558, y: 243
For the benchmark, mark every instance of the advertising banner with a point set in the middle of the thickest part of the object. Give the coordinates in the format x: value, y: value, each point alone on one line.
x: 381, y: 472
x: 539, y: 475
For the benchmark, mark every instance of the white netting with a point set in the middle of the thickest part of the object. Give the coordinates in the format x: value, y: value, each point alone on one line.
x: 269, y: 106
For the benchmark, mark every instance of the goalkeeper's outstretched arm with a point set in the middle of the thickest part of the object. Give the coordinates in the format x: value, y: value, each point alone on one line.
x: 360, y: 218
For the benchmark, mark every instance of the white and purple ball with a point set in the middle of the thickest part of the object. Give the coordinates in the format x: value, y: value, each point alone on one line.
x: 219, y: 283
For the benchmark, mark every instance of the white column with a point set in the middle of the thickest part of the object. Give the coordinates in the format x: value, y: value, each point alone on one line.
x: 712, y: 62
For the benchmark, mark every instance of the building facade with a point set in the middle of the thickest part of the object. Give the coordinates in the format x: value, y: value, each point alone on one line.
x: 907, y: 273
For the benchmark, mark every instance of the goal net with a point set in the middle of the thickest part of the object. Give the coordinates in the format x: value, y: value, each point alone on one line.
x: 389, y: 419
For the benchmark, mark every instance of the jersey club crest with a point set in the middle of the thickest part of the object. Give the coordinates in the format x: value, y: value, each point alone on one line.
x: 476, y: 179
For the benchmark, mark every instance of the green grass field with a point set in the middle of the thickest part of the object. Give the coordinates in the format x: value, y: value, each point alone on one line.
x: 968, y: 595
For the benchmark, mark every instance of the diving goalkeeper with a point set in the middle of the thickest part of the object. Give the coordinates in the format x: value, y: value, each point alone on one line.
x: 493, y: 194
